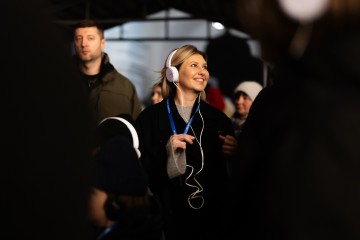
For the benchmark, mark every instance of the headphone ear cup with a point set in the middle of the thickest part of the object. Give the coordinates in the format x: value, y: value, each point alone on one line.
x: 304, y: 10
x: 172, y: 74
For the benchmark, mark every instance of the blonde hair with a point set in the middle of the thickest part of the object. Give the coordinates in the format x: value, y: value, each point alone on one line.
x: 182, y: 53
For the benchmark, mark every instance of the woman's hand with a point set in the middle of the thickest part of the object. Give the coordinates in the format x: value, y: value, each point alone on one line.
x: 178, y: 141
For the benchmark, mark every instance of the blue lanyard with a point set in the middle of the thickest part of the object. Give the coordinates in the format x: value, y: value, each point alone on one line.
x: 172, y: 120
x: 106, y: 231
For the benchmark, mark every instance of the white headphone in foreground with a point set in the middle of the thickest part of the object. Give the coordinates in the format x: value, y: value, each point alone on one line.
x: 132, y: 130
x: 304, y: 11
x: 172, y: 74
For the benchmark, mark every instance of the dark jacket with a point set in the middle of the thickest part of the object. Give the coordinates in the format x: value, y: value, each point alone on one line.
x: 181, y: 221
x: 300, y: 144
x: 111, y: 93
x: 142, y: 226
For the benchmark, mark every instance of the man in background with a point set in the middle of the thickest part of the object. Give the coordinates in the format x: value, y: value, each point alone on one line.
x: 110, y: 92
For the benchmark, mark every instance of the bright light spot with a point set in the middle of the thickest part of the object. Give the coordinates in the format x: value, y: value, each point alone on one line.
x: 217, y: 25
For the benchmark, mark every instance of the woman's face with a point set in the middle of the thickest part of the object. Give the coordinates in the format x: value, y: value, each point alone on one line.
x: 242, y: 104
x: 156, y: 95
x: 193, y: 74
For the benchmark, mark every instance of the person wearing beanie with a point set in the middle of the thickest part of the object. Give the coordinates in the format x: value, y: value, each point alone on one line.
x: 121, y: 206
x: 244, y: 95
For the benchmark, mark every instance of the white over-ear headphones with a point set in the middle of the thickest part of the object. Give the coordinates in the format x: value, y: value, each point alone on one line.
x: 304, y: 11
x: 172, y: 74
x: 132, y: 130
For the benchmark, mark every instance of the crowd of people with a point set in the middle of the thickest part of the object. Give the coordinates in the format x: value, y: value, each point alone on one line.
x: 284, y: 165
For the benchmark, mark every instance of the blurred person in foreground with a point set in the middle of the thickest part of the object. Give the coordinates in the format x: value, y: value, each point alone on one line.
x: 121, y: 205
x: 45, y: 176
x: 300, y: 154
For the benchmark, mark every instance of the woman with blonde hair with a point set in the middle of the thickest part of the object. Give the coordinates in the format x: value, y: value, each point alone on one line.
x: 185, y: 143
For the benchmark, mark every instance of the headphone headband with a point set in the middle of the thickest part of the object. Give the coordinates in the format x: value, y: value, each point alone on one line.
x: 132, y: 130
x: 168, y: 60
